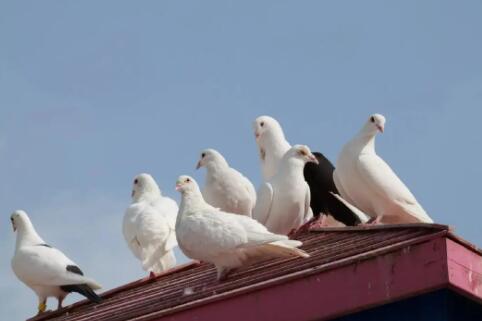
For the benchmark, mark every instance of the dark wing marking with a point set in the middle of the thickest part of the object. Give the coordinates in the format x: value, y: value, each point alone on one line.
x: 83, y: 289
x: 74, y: 269
x: 43, y: 244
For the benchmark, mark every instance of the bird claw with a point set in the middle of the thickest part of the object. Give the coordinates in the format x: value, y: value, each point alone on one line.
x: 318, y: 223
x: 295, y: 232
x: 372, y: 221
x: 223, y: 274
x: 312, y: 224
x: 42, y: 307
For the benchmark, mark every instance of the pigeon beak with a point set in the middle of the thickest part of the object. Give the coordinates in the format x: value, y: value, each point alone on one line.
x: 380, y: 128
x: 133, y: 193
x: 256, y: 134
x: 198, y: 166
x: 178, y: 187
x: 313, y: 159
x: 14, y: 227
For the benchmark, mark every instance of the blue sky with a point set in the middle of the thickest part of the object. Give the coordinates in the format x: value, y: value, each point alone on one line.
x: 94, y: 92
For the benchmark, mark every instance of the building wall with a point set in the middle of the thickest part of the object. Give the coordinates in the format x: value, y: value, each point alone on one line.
x: 441, y: 305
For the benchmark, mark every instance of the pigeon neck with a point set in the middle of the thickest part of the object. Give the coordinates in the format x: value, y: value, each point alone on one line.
x: 147, y: 195
x: 367, y: 142
x: 189, y: 200
x: 291, y: 167
x: 216, y: 165
x: 26, y: 235
x: 275, y: 141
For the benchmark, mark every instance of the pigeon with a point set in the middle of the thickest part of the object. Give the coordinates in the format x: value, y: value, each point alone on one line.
x: 225, y: 239
x: 325, y: 198
x: 225, y: 187
x: 44, y: 269
x: 284, y: 201
x: 149, y: 224
x: 366, y: 181
x: 272, y: 145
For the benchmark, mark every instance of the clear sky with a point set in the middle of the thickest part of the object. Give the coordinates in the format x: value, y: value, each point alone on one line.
x: 94, y: 92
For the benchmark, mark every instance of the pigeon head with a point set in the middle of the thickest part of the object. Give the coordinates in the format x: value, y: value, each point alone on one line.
x: 264, y: 126
x: 302, y: 153
x: 144, y: 184
x: 210, y: 156
x: 186, y: 184
x: 19, y: 220
x: 374, y: 124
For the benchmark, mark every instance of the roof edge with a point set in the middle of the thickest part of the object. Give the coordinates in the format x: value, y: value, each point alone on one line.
x: 356, y: 259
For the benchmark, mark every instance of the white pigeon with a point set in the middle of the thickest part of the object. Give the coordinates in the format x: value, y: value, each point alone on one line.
x: 149, y: 224
x: 366, y: 181
x: 44, y: 269
x: 284, y: 201
x: 227, y: 240
x: 225, y: 187
x: 272, y: 144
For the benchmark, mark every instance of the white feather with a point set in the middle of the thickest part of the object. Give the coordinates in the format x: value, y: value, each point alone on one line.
x: 225, y: 187
x: 366, y: 181
x: 284, y: 201
x: 224, y: 239
x: 149, y: 224
x: 272, y: 145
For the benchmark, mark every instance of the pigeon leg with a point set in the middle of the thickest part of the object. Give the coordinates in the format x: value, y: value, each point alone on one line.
x: 321, y: 222
x: 370, y: 222
x: 223, y: 273
x: 303, y: 228
x: 42, y: 306
x: 373, y: 221
x: 152, y: 275
x: 60, y: 300
x: 313, y: 224
x: 378, y: 220
x: 294, y: 232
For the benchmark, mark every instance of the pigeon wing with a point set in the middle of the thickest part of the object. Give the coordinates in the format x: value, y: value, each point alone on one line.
x: 380, y: 178
x: 264, y: 201
x: 47, y: 266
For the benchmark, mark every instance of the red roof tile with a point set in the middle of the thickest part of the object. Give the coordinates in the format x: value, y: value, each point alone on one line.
x: 192, y: 285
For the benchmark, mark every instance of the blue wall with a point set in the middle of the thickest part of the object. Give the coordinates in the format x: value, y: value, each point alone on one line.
x: 442, y: 305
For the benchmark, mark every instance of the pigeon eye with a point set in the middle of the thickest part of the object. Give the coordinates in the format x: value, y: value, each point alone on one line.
x: 188, y: 180
x: 203, y: 155
x: 302, y: 152
x: 262, y: 123
x: 136, y: 181
x: 372, y: 119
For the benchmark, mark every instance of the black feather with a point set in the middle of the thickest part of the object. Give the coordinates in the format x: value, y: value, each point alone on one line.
x: 43, y: 244
x: 74, y: 269
x: 84, y: 290
x: 320, y: 179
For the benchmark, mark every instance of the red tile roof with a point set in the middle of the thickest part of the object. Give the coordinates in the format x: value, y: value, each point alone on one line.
x: 191, y: 285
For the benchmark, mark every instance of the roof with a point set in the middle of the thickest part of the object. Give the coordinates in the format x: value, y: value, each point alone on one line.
x: 365, y: 266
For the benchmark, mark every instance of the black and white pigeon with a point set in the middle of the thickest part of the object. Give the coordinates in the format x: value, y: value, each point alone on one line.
x: 327, y: 209
x: 44, y: 269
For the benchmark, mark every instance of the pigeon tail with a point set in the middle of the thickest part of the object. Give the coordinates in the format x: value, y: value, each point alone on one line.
x: 282, y: 249
x: 84, y: 290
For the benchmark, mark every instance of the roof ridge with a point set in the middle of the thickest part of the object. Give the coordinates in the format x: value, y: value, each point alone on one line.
x: 362, y: 228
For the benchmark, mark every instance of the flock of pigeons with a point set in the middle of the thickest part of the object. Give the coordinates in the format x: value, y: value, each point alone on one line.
x: 228, y: 223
